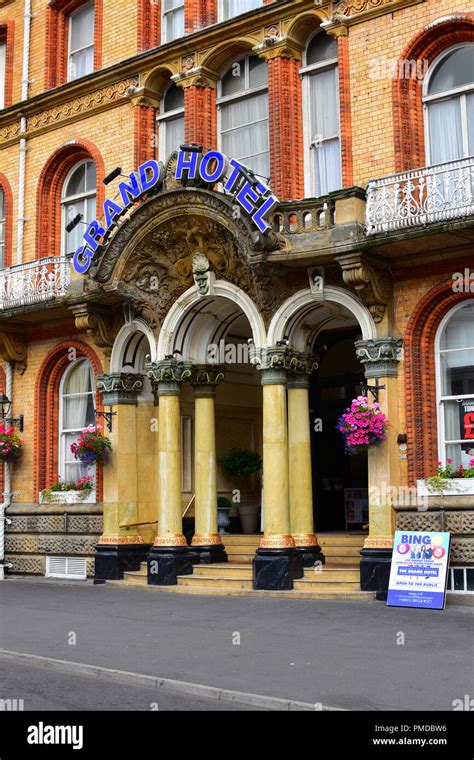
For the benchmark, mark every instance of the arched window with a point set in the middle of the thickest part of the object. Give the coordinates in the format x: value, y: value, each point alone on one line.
x: 243, y: 114
x: 2, y: 227
x: 78, y: 197
x: 171, y: 121
x: 454, y: 349
x: 321, y: 110
x: 76, y: 412
x: 449, y: 106
x: 231, y: 8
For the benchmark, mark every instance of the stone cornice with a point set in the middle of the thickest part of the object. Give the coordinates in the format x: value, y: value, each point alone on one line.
x: 347, y: 13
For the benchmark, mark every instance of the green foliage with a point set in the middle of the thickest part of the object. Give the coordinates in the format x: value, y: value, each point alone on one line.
x: 240, y: 463
x: 223, y: 502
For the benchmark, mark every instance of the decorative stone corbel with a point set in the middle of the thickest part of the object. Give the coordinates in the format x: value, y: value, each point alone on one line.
x: 372, y: 284
x: 199, y: 76
x: 101, y: 325
x: 13, y: 349
x: 276, y: 46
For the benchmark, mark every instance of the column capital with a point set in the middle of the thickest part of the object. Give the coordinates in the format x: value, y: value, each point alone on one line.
x: 205, y: 379
x: 300, y: 373
x: 380, y: 356
x: 281, y: 363
x: 275, y: 46
x: 167, y: 376
x: 195, y: 76
x: 120, y: 388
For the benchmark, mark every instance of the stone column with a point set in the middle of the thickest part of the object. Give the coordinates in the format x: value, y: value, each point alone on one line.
x: 277, y: 562
x: 380, y: 358
x: 120, y: 548
x: 169, y: 555
x: 207, y: 542
x: 300, y: 467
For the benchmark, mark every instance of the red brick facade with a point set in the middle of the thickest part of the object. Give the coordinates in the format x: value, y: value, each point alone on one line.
x: 345, y: 110
x: 200, y: 116
x: 7, y: 191
x: 149, y: 24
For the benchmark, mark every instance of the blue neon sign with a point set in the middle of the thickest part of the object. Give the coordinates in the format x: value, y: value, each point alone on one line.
x: 253, y: 196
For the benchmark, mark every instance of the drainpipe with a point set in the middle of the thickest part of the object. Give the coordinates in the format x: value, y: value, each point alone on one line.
x: 7, y: 495
x: 25, y: 81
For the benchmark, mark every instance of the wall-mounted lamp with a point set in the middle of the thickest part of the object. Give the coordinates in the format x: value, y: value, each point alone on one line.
x: 73, y: 223
x: 193, y: 148
x: 5, y: 409
x: 117, y: 172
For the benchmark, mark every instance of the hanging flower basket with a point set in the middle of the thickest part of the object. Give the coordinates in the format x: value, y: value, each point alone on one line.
x: 363, y: 425
x: 91, y: 446
x: 11, y: 445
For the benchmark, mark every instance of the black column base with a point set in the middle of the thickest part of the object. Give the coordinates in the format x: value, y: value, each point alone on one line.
x: 276, y: 569
x: 209, y: 555
x: 310, y: 555
x: 165, y: 563
x: 375, y: 571
x: 112, y: 560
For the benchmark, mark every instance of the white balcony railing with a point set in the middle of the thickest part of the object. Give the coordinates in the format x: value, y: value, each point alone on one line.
x: 34, y: 282
x: 423, y: 196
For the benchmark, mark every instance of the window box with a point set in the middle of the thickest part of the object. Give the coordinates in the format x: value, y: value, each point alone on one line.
x: 454, y: 487
x: 67, y: 497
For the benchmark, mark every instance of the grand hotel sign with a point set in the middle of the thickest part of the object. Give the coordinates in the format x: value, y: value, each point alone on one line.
x: 252, y: 195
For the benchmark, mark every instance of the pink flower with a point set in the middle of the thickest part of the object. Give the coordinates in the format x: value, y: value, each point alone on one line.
x: 449, y: 461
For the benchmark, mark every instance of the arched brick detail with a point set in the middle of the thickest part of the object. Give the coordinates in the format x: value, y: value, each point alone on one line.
x: 7, y: 29
x: 5, y: 186
x: 57, y: 17
x: 345, y: 110
x: 407, y: 91
x: 420, y: 378
x: 48, y: 198
x: 47, y: 410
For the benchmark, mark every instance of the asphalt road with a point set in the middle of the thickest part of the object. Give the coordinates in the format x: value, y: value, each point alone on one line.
x: 350, y: 655
x: 41, y: 689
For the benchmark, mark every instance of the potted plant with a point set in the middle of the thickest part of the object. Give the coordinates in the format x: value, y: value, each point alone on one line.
x: 449, y: 481
x: 11, y: 445
x: 241, y: 464
x: 92, y: 446
x: 224, y: 505
x: 63, y: 492
x: 363, y: 425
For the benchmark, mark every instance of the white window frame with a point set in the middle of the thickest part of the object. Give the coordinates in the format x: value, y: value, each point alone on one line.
x: 3, y: 222
x: 306, y: 71
x: 164, y: 13
x: 248, y: 92
x: 66, y: 201
x: 460, y: 92
x: 440, y: 398
x: 220, y: 11
x: 162, y: 119
x: 62, y: 433
x: 71, y: 52
x: 3, y: 74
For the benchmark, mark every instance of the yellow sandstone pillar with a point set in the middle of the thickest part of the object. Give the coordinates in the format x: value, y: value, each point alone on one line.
x: 300, y: 470
x: 169, y: 555
x: 207, y: 542
x: 120, y: 547
x: 380, y: 358
x: 277, y: 562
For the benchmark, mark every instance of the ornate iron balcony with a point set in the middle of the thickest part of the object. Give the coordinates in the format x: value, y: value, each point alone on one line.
x: 434, y: 194
x: 34, y: 282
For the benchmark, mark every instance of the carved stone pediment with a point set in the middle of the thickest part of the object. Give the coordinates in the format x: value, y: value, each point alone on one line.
x: 149, y: 261
x: 370, y: 282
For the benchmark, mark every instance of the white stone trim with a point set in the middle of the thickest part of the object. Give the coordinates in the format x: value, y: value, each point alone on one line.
x: 125, y: 332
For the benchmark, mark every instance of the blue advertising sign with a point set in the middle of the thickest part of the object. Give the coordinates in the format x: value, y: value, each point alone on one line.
x: 213, y: 167
x: 419, y: 570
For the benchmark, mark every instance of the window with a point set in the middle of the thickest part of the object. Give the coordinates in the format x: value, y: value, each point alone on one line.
x: 173, y: 20
x: 171, y: 121
x: 455, y: 385
x: 2, y: 227
x: 243, y: 114
x: 449, y: 106
x: 77, y: 411
x: 321, y: 111
x: 81, y: 42
x: 78, y: 197
x: 230, y: 8
x: 3, y: 73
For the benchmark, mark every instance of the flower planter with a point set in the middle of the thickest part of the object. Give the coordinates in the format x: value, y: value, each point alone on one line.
x: 454, y: 487
x: 249, y: 515
x: 68, y: 497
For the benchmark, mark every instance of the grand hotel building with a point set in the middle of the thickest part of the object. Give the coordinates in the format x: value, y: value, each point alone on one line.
x: 359, y: 115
